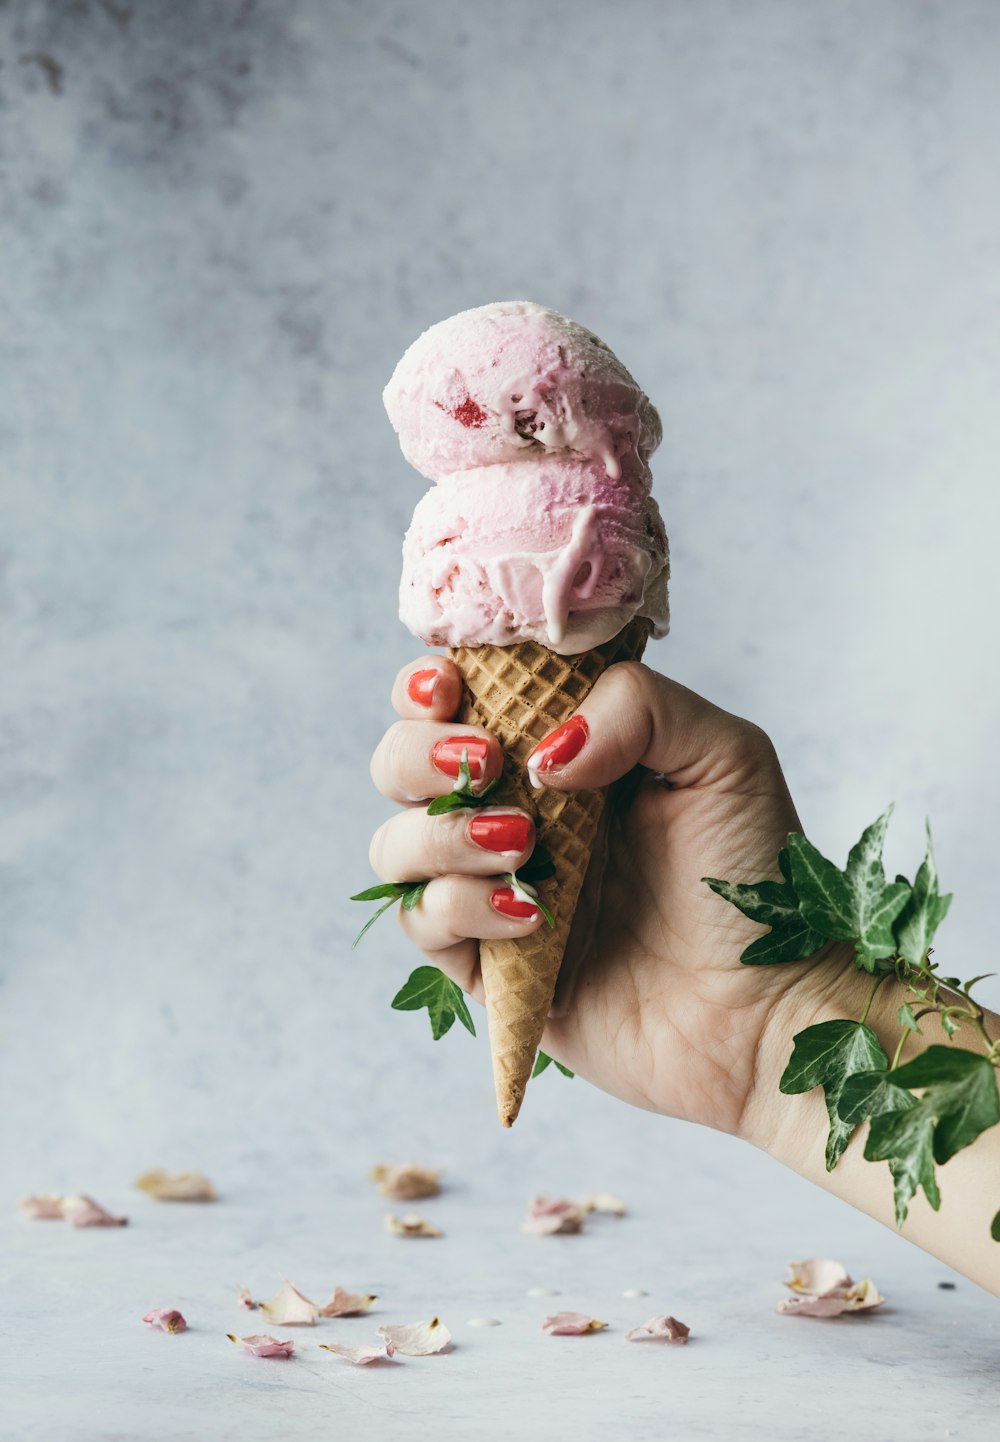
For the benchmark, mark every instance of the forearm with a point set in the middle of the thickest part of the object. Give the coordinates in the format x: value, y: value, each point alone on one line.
x: 793, y: 1128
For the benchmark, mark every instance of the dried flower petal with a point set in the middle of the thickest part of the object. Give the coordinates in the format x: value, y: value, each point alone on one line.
x: 406, y: 1181
x: 176, y: 1186
x: 85, y: 1212
x: 360, y: 1356
x: 666, y: 1329
x: 817, y: 1276
x: 288, y: 1308
x: 547, y: 1216
x: 166, y: 1319
x: 419, y: 1339
x: 603, y: 1202
x: 259, y: 1345
x: 411, y: 1226
x: 347, y: 1304
x: 47, y: 1206
x: 571, y: 1324
x: 825, y: 1290
x: 245, y: 1300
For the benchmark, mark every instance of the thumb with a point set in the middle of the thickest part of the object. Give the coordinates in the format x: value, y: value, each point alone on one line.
x: 634, y: 715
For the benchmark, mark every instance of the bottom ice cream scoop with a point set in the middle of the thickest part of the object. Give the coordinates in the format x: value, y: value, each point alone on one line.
x: 551, y: 551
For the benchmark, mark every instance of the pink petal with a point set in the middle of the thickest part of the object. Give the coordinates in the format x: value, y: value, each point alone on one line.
x: 603, y: 1202
x: 411, y: 1226
x: 571, y: 1324
x: 817, y: 1276
x: 546, y: 1217
x: 245, y: 1300
x: 264, y: 1346
x: 360, y: 1356
x: 47, y: 1206
x: 347, y: 1304
x: 406, y: 1181
x: 289, y: 1308
x: 166, y: 1319
x: 813, y: 1306
x: 85, y: 1212
x: 666, y: 1329
x: 420, y: 1339
x: 176, y: 1186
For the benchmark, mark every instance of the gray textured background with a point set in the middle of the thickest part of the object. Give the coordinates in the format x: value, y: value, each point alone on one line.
x: 221, y: 225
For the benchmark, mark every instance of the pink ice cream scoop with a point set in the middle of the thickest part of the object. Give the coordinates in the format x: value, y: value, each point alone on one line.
x: 509, y: 381
x: 541, y: 526
x: 550, y: 550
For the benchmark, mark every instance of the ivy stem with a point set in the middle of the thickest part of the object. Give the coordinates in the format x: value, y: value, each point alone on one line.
x: 871, y: 997
x: 899, y: 1047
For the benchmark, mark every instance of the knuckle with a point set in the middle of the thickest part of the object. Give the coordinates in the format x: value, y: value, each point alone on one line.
x: 386, y: 759
x: 376, y: 851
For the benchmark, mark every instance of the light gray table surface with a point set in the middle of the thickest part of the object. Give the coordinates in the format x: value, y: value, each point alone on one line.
x: 222, y: 224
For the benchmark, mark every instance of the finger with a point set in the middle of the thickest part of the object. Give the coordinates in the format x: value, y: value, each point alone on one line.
x: 461, y: 964
x: 453, y: 909
x: 428, y: 690
x: 412, y: 845
x: 635, y: 716
x: 418, y: 759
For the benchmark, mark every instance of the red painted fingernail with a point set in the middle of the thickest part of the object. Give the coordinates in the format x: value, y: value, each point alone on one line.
x: 566, y: 742
x: 420, y: 687
x: 508, y: 903
x: 505, y: 831
x: 447, y: 755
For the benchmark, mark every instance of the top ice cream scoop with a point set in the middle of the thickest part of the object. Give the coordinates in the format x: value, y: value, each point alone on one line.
x: 501, y: 382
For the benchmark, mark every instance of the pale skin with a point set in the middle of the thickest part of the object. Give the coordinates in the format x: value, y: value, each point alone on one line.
x: 660, y: 1011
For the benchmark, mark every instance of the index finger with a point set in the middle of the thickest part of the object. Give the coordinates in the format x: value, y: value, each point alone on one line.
x: 429, y: 689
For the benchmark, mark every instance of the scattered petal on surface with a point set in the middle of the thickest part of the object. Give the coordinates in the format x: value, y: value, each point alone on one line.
x: 246, y: 1301
x: 406, y: 1181
x: 347, y: 1304
x: 176, y: 1186
x: 666, y: 1329
x: 47, y: 1206
x: 420, y: 1339
x: 288, y: 1308
x: 85, y: 1212
x: 817, y: 1276
x: 547, y: 1216
x: 263, y: 1346
x: 360, y: 1356
x: 603, y: 1202
x: 411, y: 1226
x: 825, y: 1290
x: 571, y: 1324
x: 166, y: 1319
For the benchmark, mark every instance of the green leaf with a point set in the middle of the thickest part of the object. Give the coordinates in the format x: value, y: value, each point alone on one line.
x: 428, y: 987
x: 923, y: 913
x: 959, y: 1093
x: 463, y: 794
x: 409, y: 892
x: 825, y: 1056
x: 856, y: 904
x: 413, y: 894
x: 951, y: 1027
x: 995, y: 1228
x: 905, y: 1139
x: 869, y: 1094
x: 907, y: 1020
x: 773, y: 904
x: 542, y: 1061
x: 372, y: 919
x: 392, y: 889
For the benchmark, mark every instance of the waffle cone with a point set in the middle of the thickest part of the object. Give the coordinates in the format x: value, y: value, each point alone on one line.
x: 520, y: 694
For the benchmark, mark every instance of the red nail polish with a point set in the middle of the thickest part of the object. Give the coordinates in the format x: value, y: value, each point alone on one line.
x: 508, y: 903
x: 420, y: 687
x: 558, y: 749
x: 500, y: 831
x: 447, y: 755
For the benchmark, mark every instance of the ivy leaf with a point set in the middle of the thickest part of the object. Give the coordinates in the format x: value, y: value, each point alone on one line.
x: 542, y: 1061
x: 773, y: 904
x: 856, y: 904
x: 409, y: 892
x: 905, y: 1139
x: 870, y: 1094
x: 463, y: 794
x: 923, y: 913
x: 825, y: 1056
x: 907, y: 1020
x: 428, y: 987
x: 995, y: 1228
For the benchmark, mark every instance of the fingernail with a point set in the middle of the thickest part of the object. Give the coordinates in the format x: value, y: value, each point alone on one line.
x: 504, y: 900
x: 565, y: 743
x: 506, y: 832
x: 420, y: 687
x: 447, y: 755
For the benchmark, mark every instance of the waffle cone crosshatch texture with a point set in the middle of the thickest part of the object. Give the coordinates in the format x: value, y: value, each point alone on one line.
x: 520, y: 694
